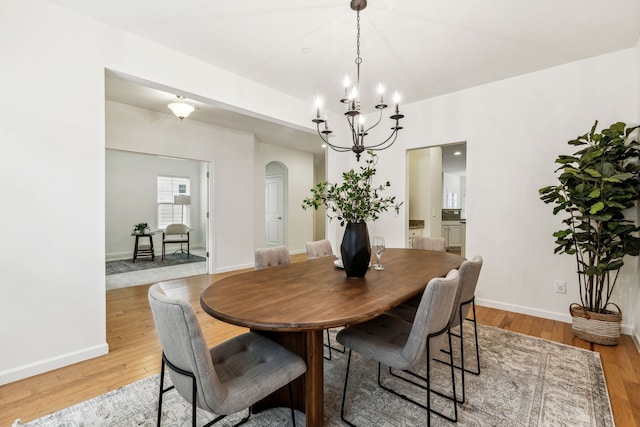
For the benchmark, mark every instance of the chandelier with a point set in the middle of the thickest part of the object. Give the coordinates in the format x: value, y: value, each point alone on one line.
x: 353, y: 113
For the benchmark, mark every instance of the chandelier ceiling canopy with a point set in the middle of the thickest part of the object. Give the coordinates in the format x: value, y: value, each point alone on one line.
x: 353, y: 113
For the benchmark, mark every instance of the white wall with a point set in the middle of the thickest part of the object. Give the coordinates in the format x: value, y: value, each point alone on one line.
x: 131, y: 197
x: 514, y: 131
x: 53, y: 154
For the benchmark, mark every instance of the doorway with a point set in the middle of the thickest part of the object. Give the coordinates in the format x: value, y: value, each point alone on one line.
x: 132, y: 196
x: 437, y: 178
x: 275, y: 204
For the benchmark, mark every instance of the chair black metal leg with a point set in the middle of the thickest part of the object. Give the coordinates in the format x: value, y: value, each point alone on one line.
x: 330, y: 347
x: 462, y: 367
x: 344, y: 391
x: 475, y: 333
x: 461, y: 359
x: 427, y: 388
x: 161, y: 392
x: 293, y: 413
x: 194, y: 392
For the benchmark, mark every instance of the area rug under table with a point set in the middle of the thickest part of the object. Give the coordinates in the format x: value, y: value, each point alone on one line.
x: 524, y: 381
x: 127, y: 265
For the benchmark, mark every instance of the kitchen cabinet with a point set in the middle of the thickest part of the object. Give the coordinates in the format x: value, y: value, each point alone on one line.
x: 452, y: 233
x: 413, y: 233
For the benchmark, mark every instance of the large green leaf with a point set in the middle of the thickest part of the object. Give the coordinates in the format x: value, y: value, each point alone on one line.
x: 594, y: 173
x: 595, y: 193
x: 596, y: 207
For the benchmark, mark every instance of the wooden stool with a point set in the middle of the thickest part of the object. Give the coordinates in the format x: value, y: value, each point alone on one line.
x: 143, y: 250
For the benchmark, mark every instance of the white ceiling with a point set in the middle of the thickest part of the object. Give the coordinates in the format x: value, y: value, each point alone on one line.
x: 422, y: 48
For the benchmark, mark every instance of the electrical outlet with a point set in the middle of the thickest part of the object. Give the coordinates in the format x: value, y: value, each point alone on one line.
x: 561, y: 287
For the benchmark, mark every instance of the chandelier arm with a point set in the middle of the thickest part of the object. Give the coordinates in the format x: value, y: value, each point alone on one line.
x: 337, y: 147
x: 333, y: 147
x: 393, y: 135
x: 321, y: 136
x: 326, y: 141
x: 376, y: 123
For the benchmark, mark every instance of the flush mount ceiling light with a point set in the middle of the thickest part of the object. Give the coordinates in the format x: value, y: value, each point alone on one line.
x: 181, y: 108
x: 352, y: 102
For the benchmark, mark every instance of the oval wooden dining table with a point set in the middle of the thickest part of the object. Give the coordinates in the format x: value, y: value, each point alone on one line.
x: 294, y: 303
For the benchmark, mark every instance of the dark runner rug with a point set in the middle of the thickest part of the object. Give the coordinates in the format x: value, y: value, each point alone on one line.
x: 525, y: 381
x: 126, y: 265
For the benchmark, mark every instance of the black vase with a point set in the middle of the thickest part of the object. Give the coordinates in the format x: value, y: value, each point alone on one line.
x: 356, y: 249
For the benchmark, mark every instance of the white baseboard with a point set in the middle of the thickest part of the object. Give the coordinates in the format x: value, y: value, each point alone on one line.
x: 545, y: 314
x: 47, y: 365
x: 233, y: 268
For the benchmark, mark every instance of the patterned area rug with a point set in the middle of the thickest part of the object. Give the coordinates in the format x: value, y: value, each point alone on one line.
x: 524, y: 381
x: 126, y: 265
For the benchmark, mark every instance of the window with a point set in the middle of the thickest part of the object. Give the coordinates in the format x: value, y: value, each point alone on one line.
x: 168, y: 211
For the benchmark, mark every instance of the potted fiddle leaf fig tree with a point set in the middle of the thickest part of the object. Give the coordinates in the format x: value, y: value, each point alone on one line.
x: 597, y: 185
x: 354, y: 202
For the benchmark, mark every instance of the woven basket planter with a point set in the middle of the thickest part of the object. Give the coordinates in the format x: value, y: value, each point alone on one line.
x: 598, y: 328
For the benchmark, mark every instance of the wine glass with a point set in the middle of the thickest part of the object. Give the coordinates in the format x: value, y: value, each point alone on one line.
x: 378, y: 248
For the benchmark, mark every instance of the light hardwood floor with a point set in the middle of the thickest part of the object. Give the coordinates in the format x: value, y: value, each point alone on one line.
x: 135, y: 354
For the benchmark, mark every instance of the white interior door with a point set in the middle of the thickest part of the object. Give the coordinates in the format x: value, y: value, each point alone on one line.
x: 274, y: 208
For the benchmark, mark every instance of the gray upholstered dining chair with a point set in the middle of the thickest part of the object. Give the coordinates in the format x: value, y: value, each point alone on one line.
x: 271, y: 257
x: 465, y: 299
x: 319, y: 248
x: 175, y: 233
x: 429, y: 243
x: 408, y: 309
x: 224, y: 379
x: 469, y: 274
x: 403, y: 345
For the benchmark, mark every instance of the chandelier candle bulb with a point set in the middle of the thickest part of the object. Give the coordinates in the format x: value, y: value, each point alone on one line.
x: 381, y: 92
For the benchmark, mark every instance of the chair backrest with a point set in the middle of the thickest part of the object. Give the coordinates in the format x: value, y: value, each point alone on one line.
x: 176, y: 229
x: 319, y: 248
x: 469, y: 273
x: 429, y: 243
x: 270, y: 257
x: 184, y: 345
x: 433, y: 314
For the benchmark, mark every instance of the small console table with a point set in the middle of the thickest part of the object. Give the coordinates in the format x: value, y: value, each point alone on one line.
x: 143, y: 249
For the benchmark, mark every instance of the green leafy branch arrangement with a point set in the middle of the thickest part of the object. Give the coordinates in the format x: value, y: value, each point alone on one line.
x: 355, y: 199
x: 597, y: 184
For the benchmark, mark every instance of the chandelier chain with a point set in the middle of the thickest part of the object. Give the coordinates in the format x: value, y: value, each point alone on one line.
x: 358, y: 58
